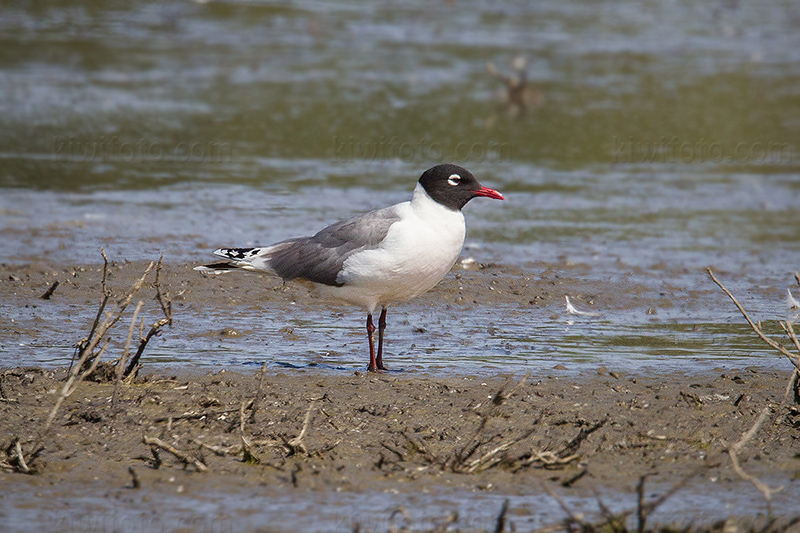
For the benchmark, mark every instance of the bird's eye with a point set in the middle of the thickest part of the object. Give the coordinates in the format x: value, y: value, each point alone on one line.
x: 454, y: 179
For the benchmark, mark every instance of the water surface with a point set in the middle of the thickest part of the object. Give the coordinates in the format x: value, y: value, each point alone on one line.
x: 665, y: 141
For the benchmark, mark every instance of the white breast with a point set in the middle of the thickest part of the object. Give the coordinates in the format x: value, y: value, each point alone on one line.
x: 418, y: 251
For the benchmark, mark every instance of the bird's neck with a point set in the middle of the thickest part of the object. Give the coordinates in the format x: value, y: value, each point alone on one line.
x: 426, y: 207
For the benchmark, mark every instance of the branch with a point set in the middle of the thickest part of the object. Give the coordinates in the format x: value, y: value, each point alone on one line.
x: 75, y: 377
x: 296, y: 444
x: 186, y: 459
x: 166, y: 307
x: 734, y: 450
x: 259, y: 393
x: 163, y: 299
x: 789, y: 355
x: 78, y: 372
x: 124, y: 358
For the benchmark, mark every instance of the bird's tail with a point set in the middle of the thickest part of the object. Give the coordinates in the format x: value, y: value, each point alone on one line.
x: 255, y: 259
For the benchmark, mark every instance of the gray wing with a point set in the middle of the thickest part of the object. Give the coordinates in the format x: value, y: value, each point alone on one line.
x: 320, y: 258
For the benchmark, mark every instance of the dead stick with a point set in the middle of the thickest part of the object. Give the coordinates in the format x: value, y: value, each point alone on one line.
x: 106, y: 295
x: 641, y: 505
x: 81, y: 346
x: 124, y: 358
x: 66, y: 391
x: 500, y: 521
x: 155, y: 329
x: 186, y: 459
x: 575, y: 519
x: 218, y: 450
x: 789, y: 329
x: 399, y: 511
x: 134, y: 478
x: 113, y: 317
x: 49, y: 292
x: 166, y: 308
x: 520, y: 384
x: 20, y: 458
x: 734, y: 450
x: 297, y: 443
x: 259, y: 393
x: 98, y: 332
x: 792, y: 386
x: 755, y: 327
x: 247, y: 451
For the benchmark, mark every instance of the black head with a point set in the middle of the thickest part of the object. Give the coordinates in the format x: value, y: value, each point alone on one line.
x: 453, y: 186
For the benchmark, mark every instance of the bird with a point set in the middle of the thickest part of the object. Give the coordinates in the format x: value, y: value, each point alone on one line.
x: 377, y: 258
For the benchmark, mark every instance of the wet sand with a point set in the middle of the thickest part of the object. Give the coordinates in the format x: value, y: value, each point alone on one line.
x: 351, y: 437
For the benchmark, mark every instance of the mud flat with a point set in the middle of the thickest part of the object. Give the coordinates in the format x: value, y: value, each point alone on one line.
x: 379, y: 442
x: 285, y: 449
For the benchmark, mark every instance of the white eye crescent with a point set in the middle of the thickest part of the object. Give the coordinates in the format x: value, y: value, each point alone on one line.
x: 454, y: 179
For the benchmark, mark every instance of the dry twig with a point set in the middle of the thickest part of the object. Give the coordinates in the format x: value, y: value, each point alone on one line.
x: 460, y: 460
x: 16, y: 458
x: 135, y: 482
x: 644, y: 509
x: 733, y: 452
x: 259, y: 393
x: 124, y: 358
x: 296, y: 444
x: 186, y: 459
x: 75, y: 377
x: 617, y: 521
x: 500, y: 521
x: 572, y: 518
x: 87, y: 358
x: 794, y: 359
x: 166, y: 307
x: 247, y: 453
x: 220, y: 451
x: 49, y: 292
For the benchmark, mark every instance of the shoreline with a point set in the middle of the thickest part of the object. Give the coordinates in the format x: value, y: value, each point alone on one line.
x: 424, y: 442
x: 316, y: 435
x: 492, y: 312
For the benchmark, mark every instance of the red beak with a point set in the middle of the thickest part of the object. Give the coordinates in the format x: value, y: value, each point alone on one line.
x: 489, y: 193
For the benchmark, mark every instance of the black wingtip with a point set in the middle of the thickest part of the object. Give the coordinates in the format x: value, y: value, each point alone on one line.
x: 237, y: 253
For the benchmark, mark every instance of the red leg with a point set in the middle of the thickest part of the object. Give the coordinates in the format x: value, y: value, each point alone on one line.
x: 381, y: 327
x: 373, y: 367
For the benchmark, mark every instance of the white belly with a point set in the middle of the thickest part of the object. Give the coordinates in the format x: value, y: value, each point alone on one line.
x: 416, y: 254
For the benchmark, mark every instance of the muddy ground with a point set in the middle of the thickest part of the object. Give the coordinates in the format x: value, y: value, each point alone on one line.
x: 311, y: 433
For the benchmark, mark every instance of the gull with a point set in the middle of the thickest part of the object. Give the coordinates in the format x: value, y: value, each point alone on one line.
x: 377, y: 258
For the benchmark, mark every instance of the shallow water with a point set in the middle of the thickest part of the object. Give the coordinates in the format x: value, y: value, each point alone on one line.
x: 482, y: 340
x: 186, y: 508
x: 666, y: 142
